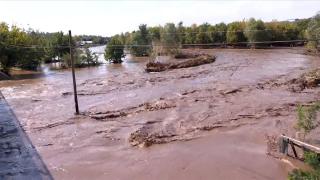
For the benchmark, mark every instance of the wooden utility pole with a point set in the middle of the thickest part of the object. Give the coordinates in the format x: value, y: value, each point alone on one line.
x: 73, y: 75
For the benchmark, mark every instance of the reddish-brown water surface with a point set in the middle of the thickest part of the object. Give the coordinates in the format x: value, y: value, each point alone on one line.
x: 205, y: 122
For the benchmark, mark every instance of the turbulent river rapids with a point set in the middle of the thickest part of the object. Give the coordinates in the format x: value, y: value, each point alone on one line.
x: 204, y: 122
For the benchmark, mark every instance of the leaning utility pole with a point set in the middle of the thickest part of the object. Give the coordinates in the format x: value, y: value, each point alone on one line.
x: 73, y: 75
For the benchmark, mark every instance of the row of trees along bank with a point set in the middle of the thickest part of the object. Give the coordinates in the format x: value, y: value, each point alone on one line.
x: 27, y: 49
x: 169, y: 38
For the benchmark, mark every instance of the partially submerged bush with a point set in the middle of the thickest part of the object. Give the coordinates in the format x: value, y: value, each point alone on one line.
x: 114, y: 51
x: 66, y: 59
x: 307, y: 116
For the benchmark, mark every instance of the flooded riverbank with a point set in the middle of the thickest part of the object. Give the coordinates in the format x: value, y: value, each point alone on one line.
x: 207, y: 122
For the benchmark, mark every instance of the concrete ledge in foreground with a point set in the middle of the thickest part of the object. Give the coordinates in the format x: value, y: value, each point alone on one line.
x: 18, y: 157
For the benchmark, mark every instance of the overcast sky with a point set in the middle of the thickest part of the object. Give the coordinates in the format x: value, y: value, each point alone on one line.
x: 111, y: 17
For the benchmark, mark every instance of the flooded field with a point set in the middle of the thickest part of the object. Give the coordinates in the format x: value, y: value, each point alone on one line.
x: 205, y: 122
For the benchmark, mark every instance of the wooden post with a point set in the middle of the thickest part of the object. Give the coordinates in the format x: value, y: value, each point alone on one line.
x: 73, y: 75
x: 283, y: 145
x: 294, y: 149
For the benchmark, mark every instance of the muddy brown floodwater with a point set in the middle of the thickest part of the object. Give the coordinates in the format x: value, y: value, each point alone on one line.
x: 205, y: 122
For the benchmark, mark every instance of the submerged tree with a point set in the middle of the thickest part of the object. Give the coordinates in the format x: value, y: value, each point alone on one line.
x: 114, y: 51
x: 81, y: 57
x: 90, y: 58
x: 77, y: 59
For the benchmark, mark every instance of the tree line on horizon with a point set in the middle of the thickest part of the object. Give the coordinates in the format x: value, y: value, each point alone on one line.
x: 167, y: 39
x: 27, y: 49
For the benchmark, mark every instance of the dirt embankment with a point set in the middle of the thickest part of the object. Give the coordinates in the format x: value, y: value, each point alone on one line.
x: 182, y: 60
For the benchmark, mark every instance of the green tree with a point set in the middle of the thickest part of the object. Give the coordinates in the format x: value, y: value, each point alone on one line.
x: 313, y: 32
x: 191, y: 34
x: 114, y: 51
x: 219, y: 33
x: 57, y: 45
x: 170, y: 39
x: 6, y: 59
x: 155, y: 38
x: 255, y: 31
x: 141, y: 42
x: 203, y: 36
x: 18, y: 48
x: 155, y: 33
x: 60, y: 44
x: 235, y: 32
x: 282, y: 31
x: 181, y: 32
x: 302, y: 25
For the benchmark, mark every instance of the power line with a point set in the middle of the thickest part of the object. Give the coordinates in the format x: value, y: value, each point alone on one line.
x: 183, y: 33
x: 33, y: 46
x: 220, y: 43
x: 211, y: 32
x: 38, y: 47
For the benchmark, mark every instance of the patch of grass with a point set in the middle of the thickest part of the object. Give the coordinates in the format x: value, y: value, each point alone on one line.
x: 307, y: 116
x: 299, y: 174
x: 312, y: 159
